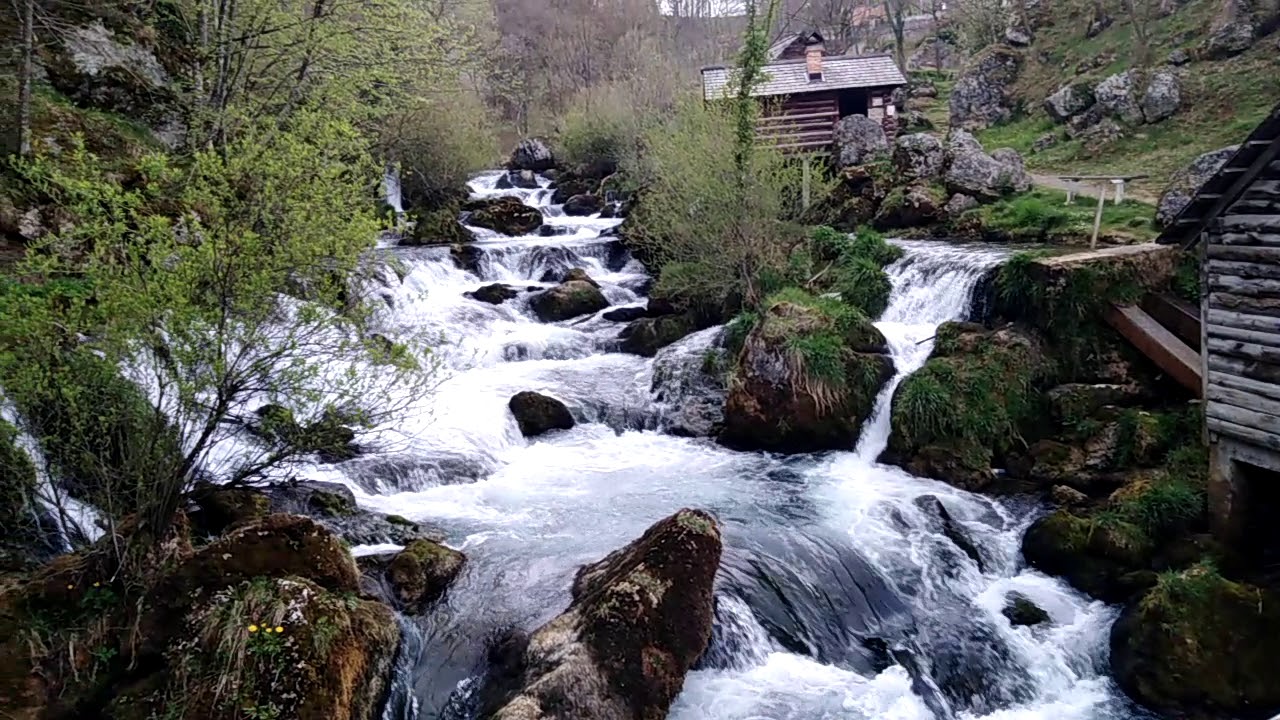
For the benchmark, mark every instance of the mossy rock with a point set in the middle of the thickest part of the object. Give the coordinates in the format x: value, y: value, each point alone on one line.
x: 331, y: 656
x: 568, y: 300
x: 438, y: 226
x: 806, y: 376
x: 646, y: 336
x: 910, y: 207
x: 220, y: 508
x: 506, y: 215
x: 1107, y: 558
x: 422, y: 572
x: 1199, y: 645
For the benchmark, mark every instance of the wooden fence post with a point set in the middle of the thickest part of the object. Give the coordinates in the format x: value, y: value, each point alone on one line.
x: 1097, y: 217
x: 804, y: 191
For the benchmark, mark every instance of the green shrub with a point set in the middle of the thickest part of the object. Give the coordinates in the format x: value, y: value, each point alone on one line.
x: 438, y: 143
x: 862, y: 284
x: 1029, y: 214
x: 601, y: 133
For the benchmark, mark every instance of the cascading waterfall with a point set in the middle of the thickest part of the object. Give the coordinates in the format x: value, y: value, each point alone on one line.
x: 842, y: 593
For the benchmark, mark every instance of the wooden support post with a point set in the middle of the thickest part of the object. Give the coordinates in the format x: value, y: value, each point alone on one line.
x: 1071, y: 194
x: 1097, y: 217
x: 1119, y: 183
x: 804, y: 191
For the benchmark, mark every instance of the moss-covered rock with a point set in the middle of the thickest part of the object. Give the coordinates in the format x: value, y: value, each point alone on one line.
x: 436, y: 226
x: 422, y: 572
x: 646, y: 336
x: 912, y: 206
x: 1109, y: 559
x: 506, y: 215
x: 218, y: 508
x: 568, y: 300
x: 971, y: 405
x: 639, y: 620
x: 537, y: 414
x: 806, y: 376
x: 1199, y: 645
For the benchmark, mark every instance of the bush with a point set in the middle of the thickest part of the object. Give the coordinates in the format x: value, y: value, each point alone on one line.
x: 438, y: 144
x: 600, y: 136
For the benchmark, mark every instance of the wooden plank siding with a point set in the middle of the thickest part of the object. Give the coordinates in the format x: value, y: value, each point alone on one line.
x: 800, y: 123
x: 1241, y: 280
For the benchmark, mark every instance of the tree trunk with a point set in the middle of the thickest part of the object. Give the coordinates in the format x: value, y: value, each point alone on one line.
x: 26, y: 75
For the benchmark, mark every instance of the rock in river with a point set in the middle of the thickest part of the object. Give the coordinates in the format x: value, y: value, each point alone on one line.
x: 506, y: 215
x: 638, y: 621
x: 537, y: 414
x: 568, y: 300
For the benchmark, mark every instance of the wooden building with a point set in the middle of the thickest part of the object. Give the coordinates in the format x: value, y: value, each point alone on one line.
x: 807, y: 91
x: 1233, y: 222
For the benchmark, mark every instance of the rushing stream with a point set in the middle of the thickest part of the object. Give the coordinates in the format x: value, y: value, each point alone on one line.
x: 840, y: 594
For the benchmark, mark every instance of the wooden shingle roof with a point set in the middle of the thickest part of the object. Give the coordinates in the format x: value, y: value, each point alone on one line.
x: 1220, y: 191
x: 791, y: 77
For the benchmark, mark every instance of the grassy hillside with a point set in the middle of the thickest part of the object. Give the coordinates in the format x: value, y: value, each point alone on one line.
x: 1221, y: 100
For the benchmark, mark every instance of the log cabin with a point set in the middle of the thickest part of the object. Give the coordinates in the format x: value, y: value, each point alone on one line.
x: 806, y: 91
x: 1233, y: 224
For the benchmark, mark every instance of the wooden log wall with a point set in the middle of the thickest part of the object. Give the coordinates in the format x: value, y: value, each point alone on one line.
x: 801, y: 123
x: 1241, y: 308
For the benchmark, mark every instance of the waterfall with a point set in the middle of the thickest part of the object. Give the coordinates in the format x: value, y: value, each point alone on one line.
x: 932, y: 283
x: 391, y: 189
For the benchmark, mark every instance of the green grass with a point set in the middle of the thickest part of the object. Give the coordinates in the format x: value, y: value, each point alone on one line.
x: 1043, y: 215
x: 1222, y: 101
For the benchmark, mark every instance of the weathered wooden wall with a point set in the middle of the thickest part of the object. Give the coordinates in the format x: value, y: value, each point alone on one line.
x: 1241, y: 311
x: 800, y: 123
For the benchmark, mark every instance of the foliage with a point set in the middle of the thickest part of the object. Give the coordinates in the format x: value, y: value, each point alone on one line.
x: 1043, y: 214
x: 180, y: 281
x: 1186, y: 278
x: 438, y: 143
x: 606, y: 130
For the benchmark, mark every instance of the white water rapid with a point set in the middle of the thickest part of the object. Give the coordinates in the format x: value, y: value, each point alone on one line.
x: 841, y: 595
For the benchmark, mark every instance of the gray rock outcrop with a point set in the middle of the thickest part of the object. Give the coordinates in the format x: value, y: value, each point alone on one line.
x: 858, y: 139
x: 1162, y: 97
x: 1068, y: 101
x: 971, y: 171
x: 532, y: 154
x: 1117, y: 96
x: 983, y: 96
x: 918, y: 156
x: 1186, y: 181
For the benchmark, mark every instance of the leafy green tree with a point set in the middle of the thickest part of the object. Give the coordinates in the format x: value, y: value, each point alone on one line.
x: 217, y: 286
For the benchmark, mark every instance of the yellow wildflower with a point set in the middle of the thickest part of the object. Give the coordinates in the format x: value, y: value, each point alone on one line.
x: 97, y: 584
x: 253, y: 628
x: 279, y: 629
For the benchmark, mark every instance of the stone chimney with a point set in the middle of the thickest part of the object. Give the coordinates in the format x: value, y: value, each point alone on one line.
x: 813, y: 60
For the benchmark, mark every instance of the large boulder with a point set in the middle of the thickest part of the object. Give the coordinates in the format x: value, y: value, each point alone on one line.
x: 506, y: 215
x: 333, y: 506
x: 1069, y: 100
x: 1117, y: 96
x: 918, y: 156
x: 640, y: 618
x: 523, y: 179
x: 421, y: 572
x: 1198, y: 645
x: 532, y: 154
x: 1184, y: 184
x: 568, y: 300
x: 537, y: 414
x: 912, y: 206
x: 805, y: 380
x: 1162, y: 97
x: 1232, y: 31
x: 1110, y: 561
x: 973, y: 172
x: 859, y: 139
x: 984, y: 94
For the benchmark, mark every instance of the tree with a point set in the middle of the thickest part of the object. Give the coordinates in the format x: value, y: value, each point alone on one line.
x: 221, y: 288
x: 26, y: 76
x: 896, y: 13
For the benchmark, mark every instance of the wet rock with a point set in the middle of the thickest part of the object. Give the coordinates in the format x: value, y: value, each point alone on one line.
x: 971, y: 662
x: 532, y: 154
x: 913, y: 206
x: 494, y: 294
x: 1118, y: 97
x: 1104, y: 560
x: 537, y: 414
x: 987, y: 177
x: 1162, y: 97
x: 984, y: 94
x: 689, y: 385
x: 333, y: 506
x: 1198, y: 645
x: 646, y: 336
x: 859, y: 139
x: 570, y: 185
x: 959, y: 204
x: 1231, y: 32
x: 1188, y: 180
x: 625, y: 314
x: 933, y: 507
x: 467, y: 257
x: 523, y: 179
x: 506, y: 215
x: 918, y: 156
x: 583, y: 205
x: 1069, y: 100
x: 768, y: 408
x: 553, y: 261
x: 219, y: 508
x: 1021, y: 612
x: 422, y: 572
x: 638, y: 621
x: 568, y: 300
x: 1068, y: 497
x: 579, y: 275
